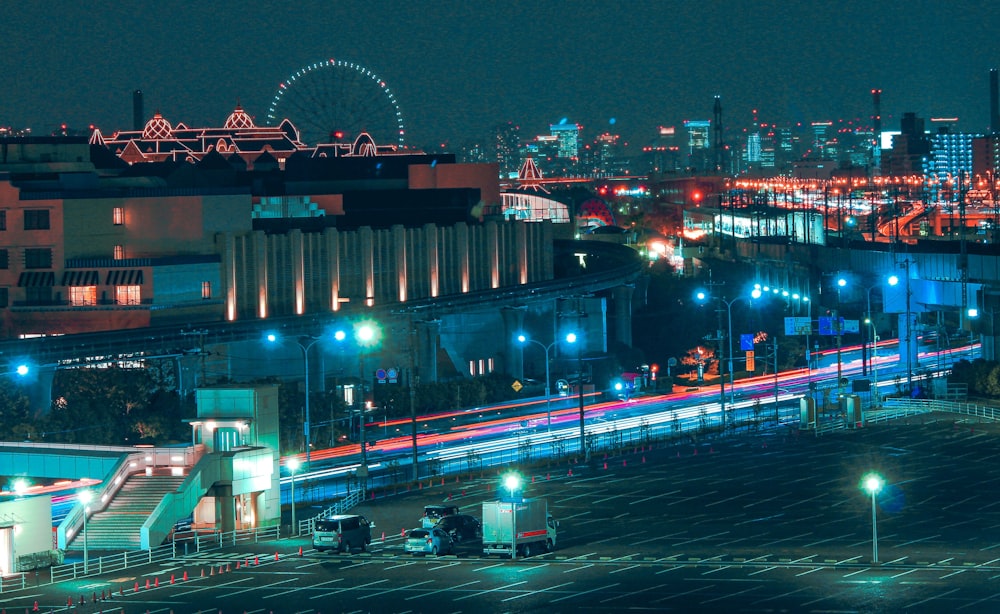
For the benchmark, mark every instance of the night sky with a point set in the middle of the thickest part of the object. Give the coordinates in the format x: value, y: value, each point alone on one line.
x: 459, y: 68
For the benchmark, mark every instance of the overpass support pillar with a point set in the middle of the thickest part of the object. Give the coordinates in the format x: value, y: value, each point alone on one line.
x: 428, y: 339
x: 623, y: 314
x: 908, y: 343
x: 513, y: 324
x: 225, y: 508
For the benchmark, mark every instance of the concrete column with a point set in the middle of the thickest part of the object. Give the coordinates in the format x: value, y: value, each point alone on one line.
x: 225, y: 508
x: 513, y: 324
x: 908, y: 343
x: 623, y: 314
x: 428, y: 338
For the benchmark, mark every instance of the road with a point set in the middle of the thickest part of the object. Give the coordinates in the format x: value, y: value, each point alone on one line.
x: 751, y: 523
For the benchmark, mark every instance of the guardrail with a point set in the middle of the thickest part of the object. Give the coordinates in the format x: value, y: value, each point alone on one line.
x: 928, y: 405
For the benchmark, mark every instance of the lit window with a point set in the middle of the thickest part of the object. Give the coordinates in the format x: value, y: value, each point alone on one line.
x: 118, y: 216
x: 80, y: 296
x: 127, y: 295
x: 119, y: 252
x: 206, y: 289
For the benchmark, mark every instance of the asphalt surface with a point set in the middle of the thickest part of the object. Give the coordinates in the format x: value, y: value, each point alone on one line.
x: 753, y: 523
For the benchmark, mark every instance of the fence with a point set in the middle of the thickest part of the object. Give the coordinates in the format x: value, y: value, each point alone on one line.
x: 984, y: 412
x: 179, y: 546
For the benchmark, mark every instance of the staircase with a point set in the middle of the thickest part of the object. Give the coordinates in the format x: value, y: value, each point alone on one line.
x: 117, y: 527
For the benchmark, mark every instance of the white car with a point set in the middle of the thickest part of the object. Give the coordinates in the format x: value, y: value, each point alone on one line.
x: 428, y: 541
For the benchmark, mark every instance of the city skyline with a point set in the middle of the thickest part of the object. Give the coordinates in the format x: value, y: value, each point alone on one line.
x: 458, y: 71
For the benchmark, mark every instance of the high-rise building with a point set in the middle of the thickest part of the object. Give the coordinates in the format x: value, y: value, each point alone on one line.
x: 699, y: 141
x: 507, y: 140
x: 569, y: 139
x: 950, y: 155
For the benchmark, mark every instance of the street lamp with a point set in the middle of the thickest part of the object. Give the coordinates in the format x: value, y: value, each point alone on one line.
x: 293, y: 466
x: 894, y: 281
x: 367, y: 335
x: 872, y: 483
x: 304, y: 343
x: 875, y: 399
x: 85, y: 496
x: 572, y: 338
x: 512, y: 482
x: 522, y: 339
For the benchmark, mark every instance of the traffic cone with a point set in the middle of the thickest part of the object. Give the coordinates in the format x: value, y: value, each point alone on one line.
x: 121, y: 591
x: 135, y: 589
x: 570, y: 474
x: 532, y: 479
x: 256, y: 561
x: 69, y: 602
x: 229, y: 567
x: 156, y: 583
x: 449, y: 496
x: 211, y: 571
x: 402, y: 533
x: 383, y: 535
x: 442, y: 481
x: 624, y: 463
x: 147, y: 584
x: 184, y: 578
x: 547, y: 478
x: 171, y: 578
x: 605, y: 464
x: 275, y: 556
x: 35, y: 608
x: 300, y: 550
x: 237, y: 565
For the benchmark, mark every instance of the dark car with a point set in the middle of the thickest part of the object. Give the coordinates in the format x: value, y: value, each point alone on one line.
x: 433, y: 513
x: 461, y: 527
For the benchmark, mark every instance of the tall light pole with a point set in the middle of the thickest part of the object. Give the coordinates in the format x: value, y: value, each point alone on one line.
x: 874, y: 361
x: 293, y: 465
x: 522, y: 339
x: 305, y: 344
x: 367, y: 335
x: 872, y: 484
x: 893, y: 281
x: 572, y: 338
x: 85, y: 496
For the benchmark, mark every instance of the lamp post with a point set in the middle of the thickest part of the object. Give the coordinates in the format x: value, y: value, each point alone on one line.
x: 522, y: 339
x: 367, y: 335
x: 872, y: 483
x: 85, y: 496
x: 875, y: 398
x: 512, y: 482
x: 293, y: 465
x: 305, y: 344
x: 572, y: 338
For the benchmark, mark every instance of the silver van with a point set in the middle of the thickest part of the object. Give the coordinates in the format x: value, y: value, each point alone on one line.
x: 342, y: 533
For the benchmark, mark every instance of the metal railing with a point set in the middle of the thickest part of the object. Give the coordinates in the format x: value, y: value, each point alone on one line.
x: 928, y: 405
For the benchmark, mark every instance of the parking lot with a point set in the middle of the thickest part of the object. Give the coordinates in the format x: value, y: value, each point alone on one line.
x: 755, y: 523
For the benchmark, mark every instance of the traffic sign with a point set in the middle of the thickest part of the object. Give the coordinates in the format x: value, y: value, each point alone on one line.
x: 798, y: 326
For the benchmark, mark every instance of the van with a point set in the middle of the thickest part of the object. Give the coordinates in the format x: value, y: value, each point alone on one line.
x: 433, y: 513
x: 342, y: 533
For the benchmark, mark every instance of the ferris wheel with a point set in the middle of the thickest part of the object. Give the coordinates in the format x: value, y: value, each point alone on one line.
x: 335, y: 101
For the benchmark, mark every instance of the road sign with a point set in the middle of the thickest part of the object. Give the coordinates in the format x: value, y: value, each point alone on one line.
x: 516, y: 386
x: 831, y: 326
x: 798, y: 326
x: 746, y: 342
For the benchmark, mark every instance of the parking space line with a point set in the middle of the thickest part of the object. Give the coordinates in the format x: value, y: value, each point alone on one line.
x: 669, y: 569
x: 854, y: 573
x: 547, y: 589
x: 806, y: 573
x: 393, y: 590
x: 934, y: 598
x: 401, y: 565
x: 623, y: 569
x: 492, y: 590
x: 532, y: 568
x: 717, y: 569
x: 255, y: 587
x: 624, y: 598
x: 916, y: 541
x: 903, y: 573
x: 850, y: 560
x: 578, y: 568
x: 452, y: 564
x: 685, y: 593
x: 730, y: 595
x: 582, y: 556
x: 206, y: 587
x: 954, y: 573
x: 487, y: 567
x: 659, y: 496
x: 973, y: 604
x: 698, y: 539
x: 341, y: 590
x: 593, y: 590
x: 441, y: 590
x: 763, y: 570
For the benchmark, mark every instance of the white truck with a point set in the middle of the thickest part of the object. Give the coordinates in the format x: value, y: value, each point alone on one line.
x: 525, y: 524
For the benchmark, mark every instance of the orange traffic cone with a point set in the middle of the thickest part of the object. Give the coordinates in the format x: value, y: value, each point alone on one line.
x: 300, y: 550
x: 256, y: 561
x: 156, y: 583
x: 275, y: 556
x: 570, y: 474
x: 184, y: 578
x: 35, y: 608
x: 171, y: 578
x: 147, y: 584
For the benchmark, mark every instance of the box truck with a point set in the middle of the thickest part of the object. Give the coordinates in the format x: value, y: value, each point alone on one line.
x: 524, y: 524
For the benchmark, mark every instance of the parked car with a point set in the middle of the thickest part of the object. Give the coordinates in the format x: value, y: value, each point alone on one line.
x: 342, y: 533
x: 433, y: 513
x: 428, y: 541
x: 460, y: 527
